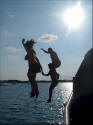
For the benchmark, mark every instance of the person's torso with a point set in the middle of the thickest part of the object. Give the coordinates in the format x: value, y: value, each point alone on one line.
x: 31, y: 57
x: 54, y: 56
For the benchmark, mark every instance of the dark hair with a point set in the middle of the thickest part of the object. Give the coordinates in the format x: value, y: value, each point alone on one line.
x: 49, y: 49
x: 28, y: 44
x: 32, y: 40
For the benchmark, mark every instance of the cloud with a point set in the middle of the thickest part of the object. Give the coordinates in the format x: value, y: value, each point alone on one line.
x: 48, y: 38
x: 13, y: 56
x: 10, y: 15
x: 12, y: 49
x: 6, y: 33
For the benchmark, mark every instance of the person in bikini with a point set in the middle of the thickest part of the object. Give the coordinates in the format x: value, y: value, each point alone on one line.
x: 54, y: 77
x: 34, y: 66
x: 54, y: 57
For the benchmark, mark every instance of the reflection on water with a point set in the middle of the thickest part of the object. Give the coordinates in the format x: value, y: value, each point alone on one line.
x: 16, y: 107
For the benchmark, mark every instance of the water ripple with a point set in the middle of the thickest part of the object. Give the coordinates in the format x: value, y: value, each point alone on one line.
x: 16, y: 108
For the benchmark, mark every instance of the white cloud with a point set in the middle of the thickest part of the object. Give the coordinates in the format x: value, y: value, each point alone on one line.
x: 12, y: 49
x: 10, y: 15
x: 6, y: 33
x: 48, y: 38
x: 13, y: 56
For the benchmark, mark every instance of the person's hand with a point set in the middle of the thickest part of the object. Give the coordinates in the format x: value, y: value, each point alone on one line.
x: 42, y: 49
x: 42, y: 72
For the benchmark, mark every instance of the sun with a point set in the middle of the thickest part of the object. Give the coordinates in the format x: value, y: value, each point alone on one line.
x: 74, y: 17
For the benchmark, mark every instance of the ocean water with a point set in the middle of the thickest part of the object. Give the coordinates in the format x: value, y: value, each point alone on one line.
x: 17, y: 108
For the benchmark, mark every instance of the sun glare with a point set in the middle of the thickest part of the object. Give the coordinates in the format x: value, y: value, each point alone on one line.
x: 73, y: 17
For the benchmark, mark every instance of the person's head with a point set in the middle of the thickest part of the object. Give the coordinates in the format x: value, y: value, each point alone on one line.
x: 30, y: 43
x: 50, y: 50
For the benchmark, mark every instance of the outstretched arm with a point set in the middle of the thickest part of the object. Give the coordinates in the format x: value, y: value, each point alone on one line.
x: 23, y: 40
x: 45, y: 50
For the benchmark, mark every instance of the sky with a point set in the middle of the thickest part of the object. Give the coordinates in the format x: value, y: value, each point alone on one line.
x: 42, y: 20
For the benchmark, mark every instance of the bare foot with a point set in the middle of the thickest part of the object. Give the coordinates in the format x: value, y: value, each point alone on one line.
x: 37, y: 94
x: 32, y: 94
x: 49, y: 100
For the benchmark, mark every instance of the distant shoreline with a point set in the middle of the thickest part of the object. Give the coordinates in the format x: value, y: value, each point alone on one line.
x: 38, y: 81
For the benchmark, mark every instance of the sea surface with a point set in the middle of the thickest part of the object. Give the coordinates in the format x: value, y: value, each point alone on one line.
x: 17, y: 108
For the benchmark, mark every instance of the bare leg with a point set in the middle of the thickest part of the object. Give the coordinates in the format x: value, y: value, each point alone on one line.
x: 34, y: 85
x: 31, y: 79
x: 36, y: 89
x: 52, y: 86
